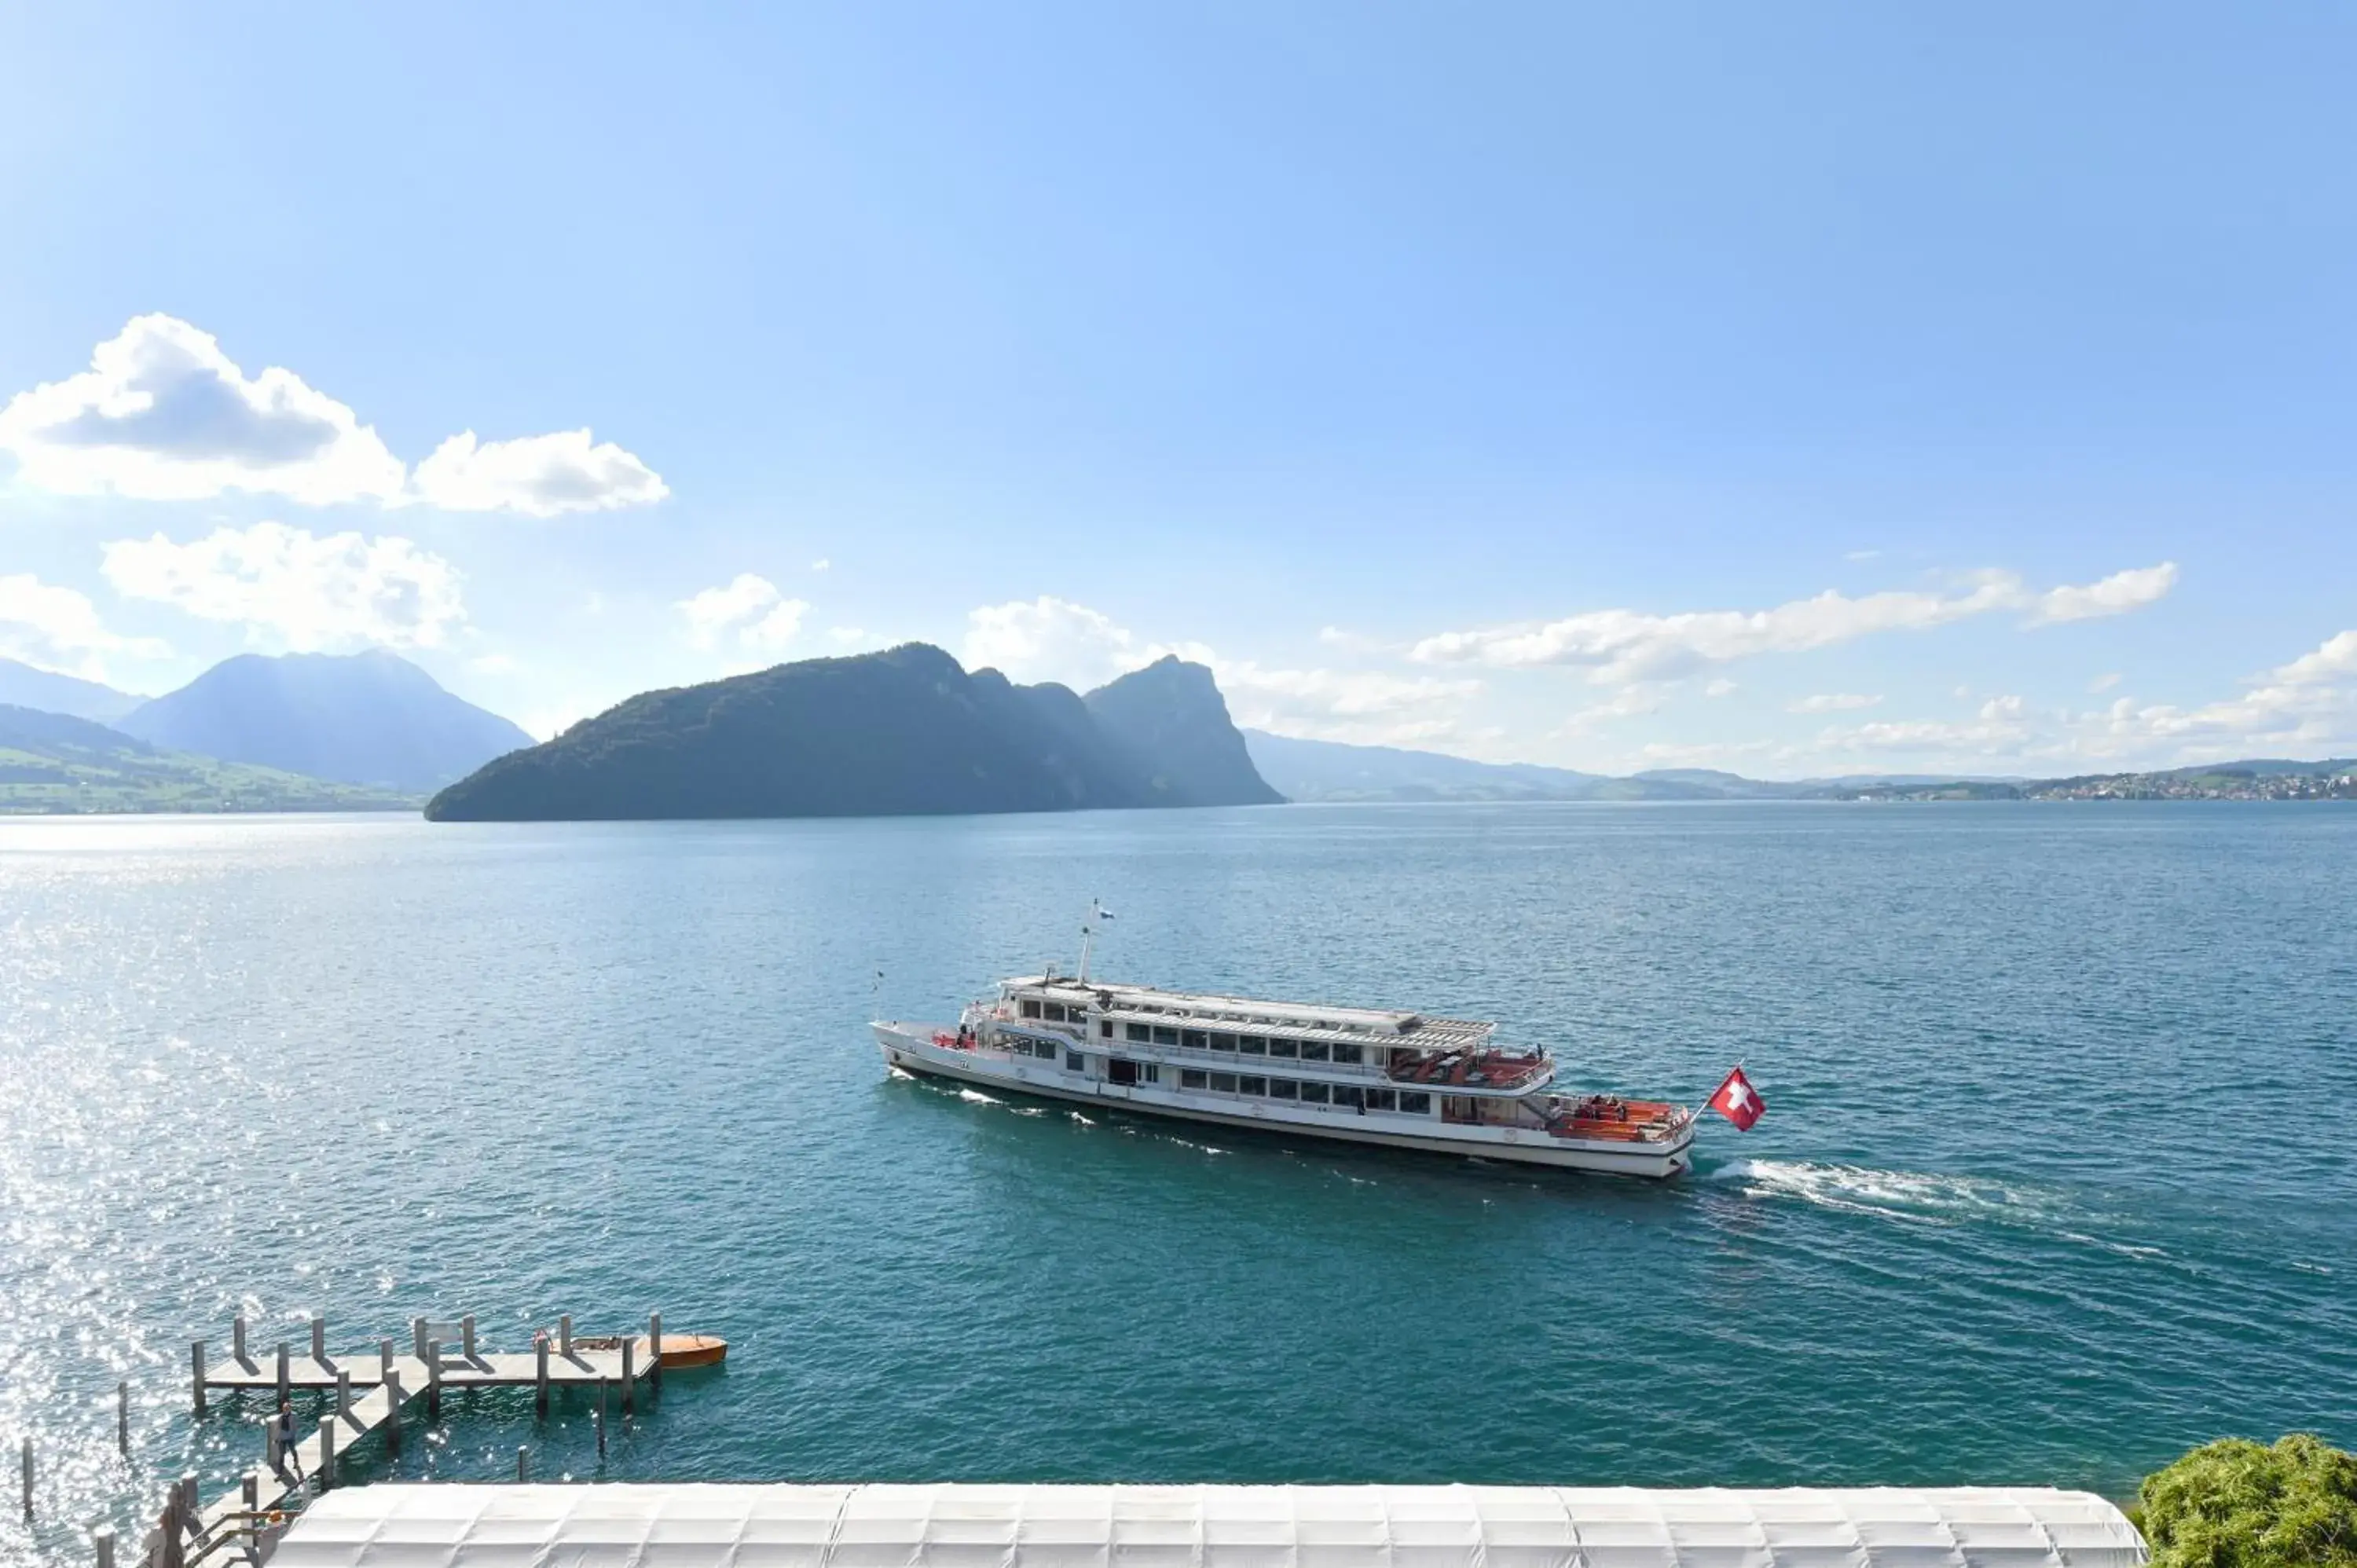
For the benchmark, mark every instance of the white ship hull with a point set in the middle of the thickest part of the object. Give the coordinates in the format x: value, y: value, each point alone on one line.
x: 916, y: 1047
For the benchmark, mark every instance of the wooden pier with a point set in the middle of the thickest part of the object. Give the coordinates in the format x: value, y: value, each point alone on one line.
x: 368, y: 1393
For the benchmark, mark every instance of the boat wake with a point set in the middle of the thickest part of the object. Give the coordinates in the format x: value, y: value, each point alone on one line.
x: 1916, y: 1197
x: 1909, y: 1196
x: 977, y: 1097
x: 902, y: 1073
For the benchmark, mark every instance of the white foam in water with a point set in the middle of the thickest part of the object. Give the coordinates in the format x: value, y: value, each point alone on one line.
x: 1912, y: 1196
x: 902, y: 1073
x: 975, y: 1097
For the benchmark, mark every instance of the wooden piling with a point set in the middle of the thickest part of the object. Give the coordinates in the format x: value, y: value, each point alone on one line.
x: 540, y: 1377
x: 523, y: 1468
x: 197, y: 1358
x: 343, y: 1391
x: 318, y: 1340
x: 417, y: 1337
x: 123, y: 1417
x: 237, y: 1340
x: 434, y: 1379
x: 249, y: 1493
x: 564, y: 1336
x: 630, y: 1381
x: 285, y: 1373
x: 392, y: 1412
x: 327, y: 1453
x: 466, y: 1336
x: 101, y: 1541
x: 654, y: 1352
x: 384, y: 1360
x: 27, y: 1446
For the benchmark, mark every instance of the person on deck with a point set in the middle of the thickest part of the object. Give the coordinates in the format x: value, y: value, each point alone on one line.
x: 282, y: 1445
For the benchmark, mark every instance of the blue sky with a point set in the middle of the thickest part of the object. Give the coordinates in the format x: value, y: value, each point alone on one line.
x: 1797, y: 389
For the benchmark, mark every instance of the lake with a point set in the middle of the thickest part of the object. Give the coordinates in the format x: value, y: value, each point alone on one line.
x: 2058, y: 1176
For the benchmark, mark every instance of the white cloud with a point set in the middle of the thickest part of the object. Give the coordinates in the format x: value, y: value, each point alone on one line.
x: 2116, y: 594
x: 1999, y: 710
x: 1617, y: 646
x: 821, y: 564
x: 749, y: 609
x: 289, y: 586
x: 1628, y: 702
x: 1860, y: 554
x: 1049, y: 639
x: 2301, y: 706
x: 2104, y: 682
x: 163, y: 414
x: 1720, y: 688
x: 1832, y: 702
x: 494, y: 663
x: 540, y: 476
x: 847, y: 636
x: 58, y: 628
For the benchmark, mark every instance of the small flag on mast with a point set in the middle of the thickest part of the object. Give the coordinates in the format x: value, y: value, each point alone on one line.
x: 1739, y: 1102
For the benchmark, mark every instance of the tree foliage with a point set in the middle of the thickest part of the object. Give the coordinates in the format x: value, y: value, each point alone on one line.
x: 2238, y: 1504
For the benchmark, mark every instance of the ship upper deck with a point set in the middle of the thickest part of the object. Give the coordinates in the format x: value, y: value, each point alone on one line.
x: 1205, y: 1009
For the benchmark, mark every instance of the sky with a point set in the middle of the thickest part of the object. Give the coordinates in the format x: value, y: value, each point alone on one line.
x: 1799, y: 389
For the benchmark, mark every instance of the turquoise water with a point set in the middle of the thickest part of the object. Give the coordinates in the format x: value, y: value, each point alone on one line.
x: 2057, y: 1177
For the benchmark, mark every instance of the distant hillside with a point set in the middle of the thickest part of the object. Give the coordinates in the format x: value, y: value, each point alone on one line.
x: 1331, y: 770
x: 902, y: 732
x: 56, y: 763
x: 22, y: 686
x: 368, y: 718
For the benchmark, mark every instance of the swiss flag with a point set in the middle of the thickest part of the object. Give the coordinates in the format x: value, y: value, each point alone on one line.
x: 1739, y: 1102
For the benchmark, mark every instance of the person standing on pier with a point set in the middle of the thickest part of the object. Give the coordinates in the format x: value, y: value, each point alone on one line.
x: 282, y: 1445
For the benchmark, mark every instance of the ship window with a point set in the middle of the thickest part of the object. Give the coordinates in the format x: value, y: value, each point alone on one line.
x: 1055, y: 1012
x: 1277, y: 1047
x: 1314, y: 1092
x: 1193, y: 1077
x: 1382, y: 1099
x: 1225, y: 1083
x: 1416, y: 1104
x: 1030, y: 1007
x: 1348, y: 1053
x: 1163, y: 1037
x: 1223, y: 1042
x: 1284, y: 1089
x: 1349, y: 1094
x: 1104, y: 1028
x: 1137, y: 1032
x: 1251, y: 1086
x: 1192, y: 1039
x: 1149, y: 1073
x: 1253, y: 1045
x: 1074, y: 1062
x: 1313, y: 1050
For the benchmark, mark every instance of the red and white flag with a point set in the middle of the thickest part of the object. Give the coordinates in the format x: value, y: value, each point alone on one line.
x: 1739, y: 1102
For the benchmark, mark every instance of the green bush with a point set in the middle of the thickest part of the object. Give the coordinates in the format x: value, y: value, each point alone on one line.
x: 2236, y: 1504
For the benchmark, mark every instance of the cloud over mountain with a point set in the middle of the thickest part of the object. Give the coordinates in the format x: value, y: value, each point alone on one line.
x: 301, y: 590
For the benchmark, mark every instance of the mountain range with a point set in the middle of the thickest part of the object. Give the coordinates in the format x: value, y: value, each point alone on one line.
x: 903, y: 732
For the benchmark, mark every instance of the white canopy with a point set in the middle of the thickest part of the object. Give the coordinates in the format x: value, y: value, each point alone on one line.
x: 707, y: 1526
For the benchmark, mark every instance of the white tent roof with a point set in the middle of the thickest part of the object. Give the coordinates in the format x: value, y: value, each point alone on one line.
x: 704, y: 1525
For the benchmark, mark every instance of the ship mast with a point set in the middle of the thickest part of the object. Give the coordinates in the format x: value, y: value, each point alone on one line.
x: 1098, y: 913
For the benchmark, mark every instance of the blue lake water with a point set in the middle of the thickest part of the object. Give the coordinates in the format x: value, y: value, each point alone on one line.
x: 2057, y: 1177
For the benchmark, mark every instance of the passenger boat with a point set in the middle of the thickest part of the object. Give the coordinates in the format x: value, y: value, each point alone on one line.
x: 1405, y: 1081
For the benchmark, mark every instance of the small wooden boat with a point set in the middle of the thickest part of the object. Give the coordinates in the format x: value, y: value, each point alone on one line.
x: 681, y: 1351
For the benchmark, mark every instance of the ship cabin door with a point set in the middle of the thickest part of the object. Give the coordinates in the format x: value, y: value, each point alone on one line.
x: 1119, y: 1070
